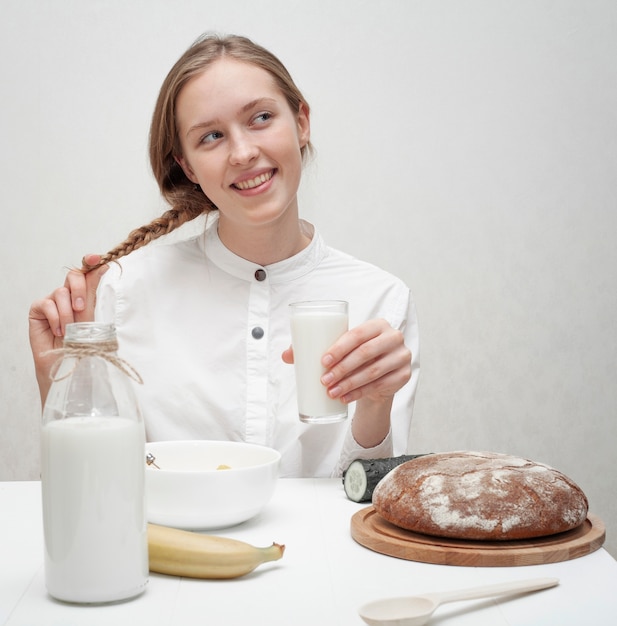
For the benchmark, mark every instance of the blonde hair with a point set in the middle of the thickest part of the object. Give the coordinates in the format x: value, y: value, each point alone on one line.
x: 187, y: 199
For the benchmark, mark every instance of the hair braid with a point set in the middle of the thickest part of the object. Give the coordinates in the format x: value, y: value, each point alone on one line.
x: 166, y: 223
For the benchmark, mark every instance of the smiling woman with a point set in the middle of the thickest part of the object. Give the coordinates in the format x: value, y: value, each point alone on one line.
x: 205, y: 319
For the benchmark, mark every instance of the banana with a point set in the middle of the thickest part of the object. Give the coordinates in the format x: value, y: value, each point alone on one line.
x: 193, y: 555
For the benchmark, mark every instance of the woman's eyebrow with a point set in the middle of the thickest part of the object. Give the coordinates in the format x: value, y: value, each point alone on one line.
x: 247, y: 107
x: 258, y: 101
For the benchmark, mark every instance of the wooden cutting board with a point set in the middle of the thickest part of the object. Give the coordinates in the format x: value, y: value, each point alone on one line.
x: 372, y: 531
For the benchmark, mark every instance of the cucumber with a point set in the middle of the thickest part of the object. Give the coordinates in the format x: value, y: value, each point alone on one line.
x: 362, y: 475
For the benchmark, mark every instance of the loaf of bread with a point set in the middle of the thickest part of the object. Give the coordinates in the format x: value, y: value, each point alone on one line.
x: 480, y: 496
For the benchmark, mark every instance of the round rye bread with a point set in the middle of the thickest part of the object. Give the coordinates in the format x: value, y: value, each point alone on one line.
x: 479, y: 496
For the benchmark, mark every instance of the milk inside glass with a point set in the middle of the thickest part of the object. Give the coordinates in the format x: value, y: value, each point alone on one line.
x: 92, y: 469
x: 315, y: 326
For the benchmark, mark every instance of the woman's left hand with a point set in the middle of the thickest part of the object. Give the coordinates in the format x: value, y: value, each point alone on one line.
x: 370, y: 361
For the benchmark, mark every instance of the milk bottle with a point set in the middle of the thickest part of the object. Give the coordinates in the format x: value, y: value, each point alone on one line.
x: 92, y: 473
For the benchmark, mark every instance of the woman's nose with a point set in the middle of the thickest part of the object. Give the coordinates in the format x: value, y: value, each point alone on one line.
x: 243, y: 149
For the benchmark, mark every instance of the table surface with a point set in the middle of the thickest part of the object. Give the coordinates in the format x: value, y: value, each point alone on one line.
x: 322, y: 579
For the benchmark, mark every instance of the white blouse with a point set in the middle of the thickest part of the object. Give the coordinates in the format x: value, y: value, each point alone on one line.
x: 205, y: 329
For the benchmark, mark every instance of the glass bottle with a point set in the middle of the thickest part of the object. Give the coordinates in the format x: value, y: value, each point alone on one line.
x: 92, y: 473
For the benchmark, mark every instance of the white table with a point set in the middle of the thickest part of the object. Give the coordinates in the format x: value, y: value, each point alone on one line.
x: 322, y: 579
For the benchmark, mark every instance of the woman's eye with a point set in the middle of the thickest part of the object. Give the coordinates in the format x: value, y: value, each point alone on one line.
x: 211, y: 137
x: 262, y: 118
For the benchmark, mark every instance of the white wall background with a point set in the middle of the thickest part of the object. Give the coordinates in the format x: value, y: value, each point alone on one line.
x: 469, y: 146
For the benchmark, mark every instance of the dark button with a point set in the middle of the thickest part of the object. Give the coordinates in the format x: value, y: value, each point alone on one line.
x: 257, y: 332
x: 260, y: 275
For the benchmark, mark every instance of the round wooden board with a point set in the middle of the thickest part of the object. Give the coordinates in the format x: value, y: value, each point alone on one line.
x: 372, y: 531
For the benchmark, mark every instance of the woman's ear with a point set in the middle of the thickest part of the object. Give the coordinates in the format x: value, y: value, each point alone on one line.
x: 186, y: 168
x: 304, y: 125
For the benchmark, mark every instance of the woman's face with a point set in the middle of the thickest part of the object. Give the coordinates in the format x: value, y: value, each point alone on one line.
x: 241, y: 143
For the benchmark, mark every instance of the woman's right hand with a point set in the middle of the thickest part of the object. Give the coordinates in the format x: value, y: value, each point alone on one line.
x: 48, y: 317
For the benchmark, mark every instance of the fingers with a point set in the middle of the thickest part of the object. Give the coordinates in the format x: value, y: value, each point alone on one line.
x: 90, y: 260
x: 48, y: 317
x: 288, y: 356
x: 370, y: 360
x: 75, y: 285
x: 82, y: 286
x: 45, y: 333
x: 73, y: 302
x: 44, y: 318
x: 93, y: 279
x: 55, y: 311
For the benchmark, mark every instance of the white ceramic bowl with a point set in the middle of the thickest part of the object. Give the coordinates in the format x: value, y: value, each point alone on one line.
x: 188, y: 491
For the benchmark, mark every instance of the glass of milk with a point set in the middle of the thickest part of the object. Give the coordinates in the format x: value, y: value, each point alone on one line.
x: 315, y: 326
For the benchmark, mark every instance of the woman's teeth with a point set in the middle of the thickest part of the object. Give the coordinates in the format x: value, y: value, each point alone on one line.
x: 254, y: 182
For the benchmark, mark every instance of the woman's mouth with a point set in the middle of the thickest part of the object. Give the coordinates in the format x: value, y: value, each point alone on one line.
x: 251, y: 183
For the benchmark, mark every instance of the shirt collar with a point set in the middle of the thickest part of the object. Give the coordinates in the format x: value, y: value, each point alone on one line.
x: 287, y: 269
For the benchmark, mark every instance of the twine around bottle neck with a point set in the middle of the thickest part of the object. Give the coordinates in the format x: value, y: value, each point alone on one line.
x: 103, y: 349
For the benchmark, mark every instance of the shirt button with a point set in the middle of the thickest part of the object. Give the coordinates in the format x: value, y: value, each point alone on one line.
x: 257, y: 332
x: 260, y: 275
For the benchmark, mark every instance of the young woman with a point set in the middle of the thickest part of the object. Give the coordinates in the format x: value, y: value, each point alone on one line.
x: 205, y: 319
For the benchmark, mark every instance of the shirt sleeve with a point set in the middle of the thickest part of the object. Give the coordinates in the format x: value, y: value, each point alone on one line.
x: 352, y: 450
